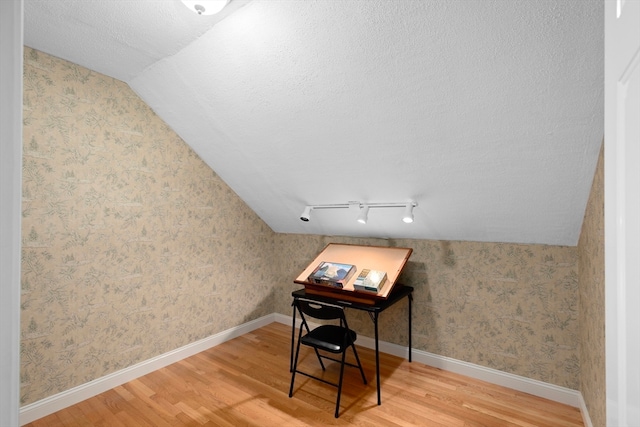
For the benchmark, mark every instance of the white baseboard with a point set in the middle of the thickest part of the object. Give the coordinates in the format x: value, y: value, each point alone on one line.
x: 49, y: 405
x: 585, y: 413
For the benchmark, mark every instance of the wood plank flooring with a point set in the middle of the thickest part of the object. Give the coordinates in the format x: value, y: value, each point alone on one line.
x: 245, y: 382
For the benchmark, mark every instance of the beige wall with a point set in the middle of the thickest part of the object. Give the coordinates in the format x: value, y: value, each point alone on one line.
x: 133, y: 247
x: 591, y: 319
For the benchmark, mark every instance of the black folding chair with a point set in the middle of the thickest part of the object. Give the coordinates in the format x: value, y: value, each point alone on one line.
x: 335, y: 339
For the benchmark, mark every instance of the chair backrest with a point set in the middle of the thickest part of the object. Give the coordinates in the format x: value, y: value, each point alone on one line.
x: 320, y: 310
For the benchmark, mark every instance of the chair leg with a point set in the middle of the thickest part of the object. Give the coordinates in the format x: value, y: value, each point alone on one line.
x: 364, y: 380
x: 295, y: 368
x: 319, y: 359
x: 344, y: 353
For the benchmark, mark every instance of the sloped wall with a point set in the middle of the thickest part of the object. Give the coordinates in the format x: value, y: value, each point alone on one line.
x: 132, y: 245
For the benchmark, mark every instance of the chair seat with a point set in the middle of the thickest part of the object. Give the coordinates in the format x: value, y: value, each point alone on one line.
x: 328, y: 337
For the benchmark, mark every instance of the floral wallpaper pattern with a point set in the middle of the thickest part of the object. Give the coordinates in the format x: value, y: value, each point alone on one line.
x: 592, y: 311
x: 132, y: 246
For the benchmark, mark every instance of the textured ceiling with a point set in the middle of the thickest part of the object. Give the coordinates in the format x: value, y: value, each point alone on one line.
x: 488, y: 113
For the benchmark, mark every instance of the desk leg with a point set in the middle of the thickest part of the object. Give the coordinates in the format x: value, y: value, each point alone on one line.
x: 293, y: 334
x: 375, y: 325
x: 410, y: 300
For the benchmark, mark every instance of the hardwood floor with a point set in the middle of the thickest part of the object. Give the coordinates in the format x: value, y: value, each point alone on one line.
x: 245, y: 382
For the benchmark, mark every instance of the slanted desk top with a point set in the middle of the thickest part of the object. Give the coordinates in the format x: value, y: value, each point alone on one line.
x: 389, y: 259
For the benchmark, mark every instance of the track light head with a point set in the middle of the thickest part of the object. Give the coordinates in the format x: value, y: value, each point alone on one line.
x: 306, y: 214
x: 407, y: 216
x: 363, y: 215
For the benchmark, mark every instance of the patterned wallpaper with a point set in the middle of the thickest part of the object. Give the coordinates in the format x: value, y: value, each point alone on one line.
x: 132, y: 246
x: 504, y: 306
x: 592, y: 310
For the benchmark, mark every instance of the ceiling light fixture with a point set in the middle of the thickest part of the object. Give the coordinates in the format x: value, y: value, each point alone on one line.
x: 363, y: 213
x: 306, y: 214
x: 408, y: 213
x: 205, y: 7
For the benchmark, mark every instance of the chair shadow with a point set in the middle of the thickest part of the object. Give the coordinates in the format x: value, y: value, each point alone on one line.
x: 356, y: 396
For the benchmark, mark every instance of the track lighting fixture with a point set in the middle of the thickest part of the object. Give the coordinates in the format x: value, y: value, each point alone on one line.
x: 363, y: 212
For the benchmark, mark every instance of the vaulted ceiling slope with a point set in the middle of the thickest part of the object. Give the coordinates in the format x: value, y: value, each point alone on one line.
x: 487, y: 113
